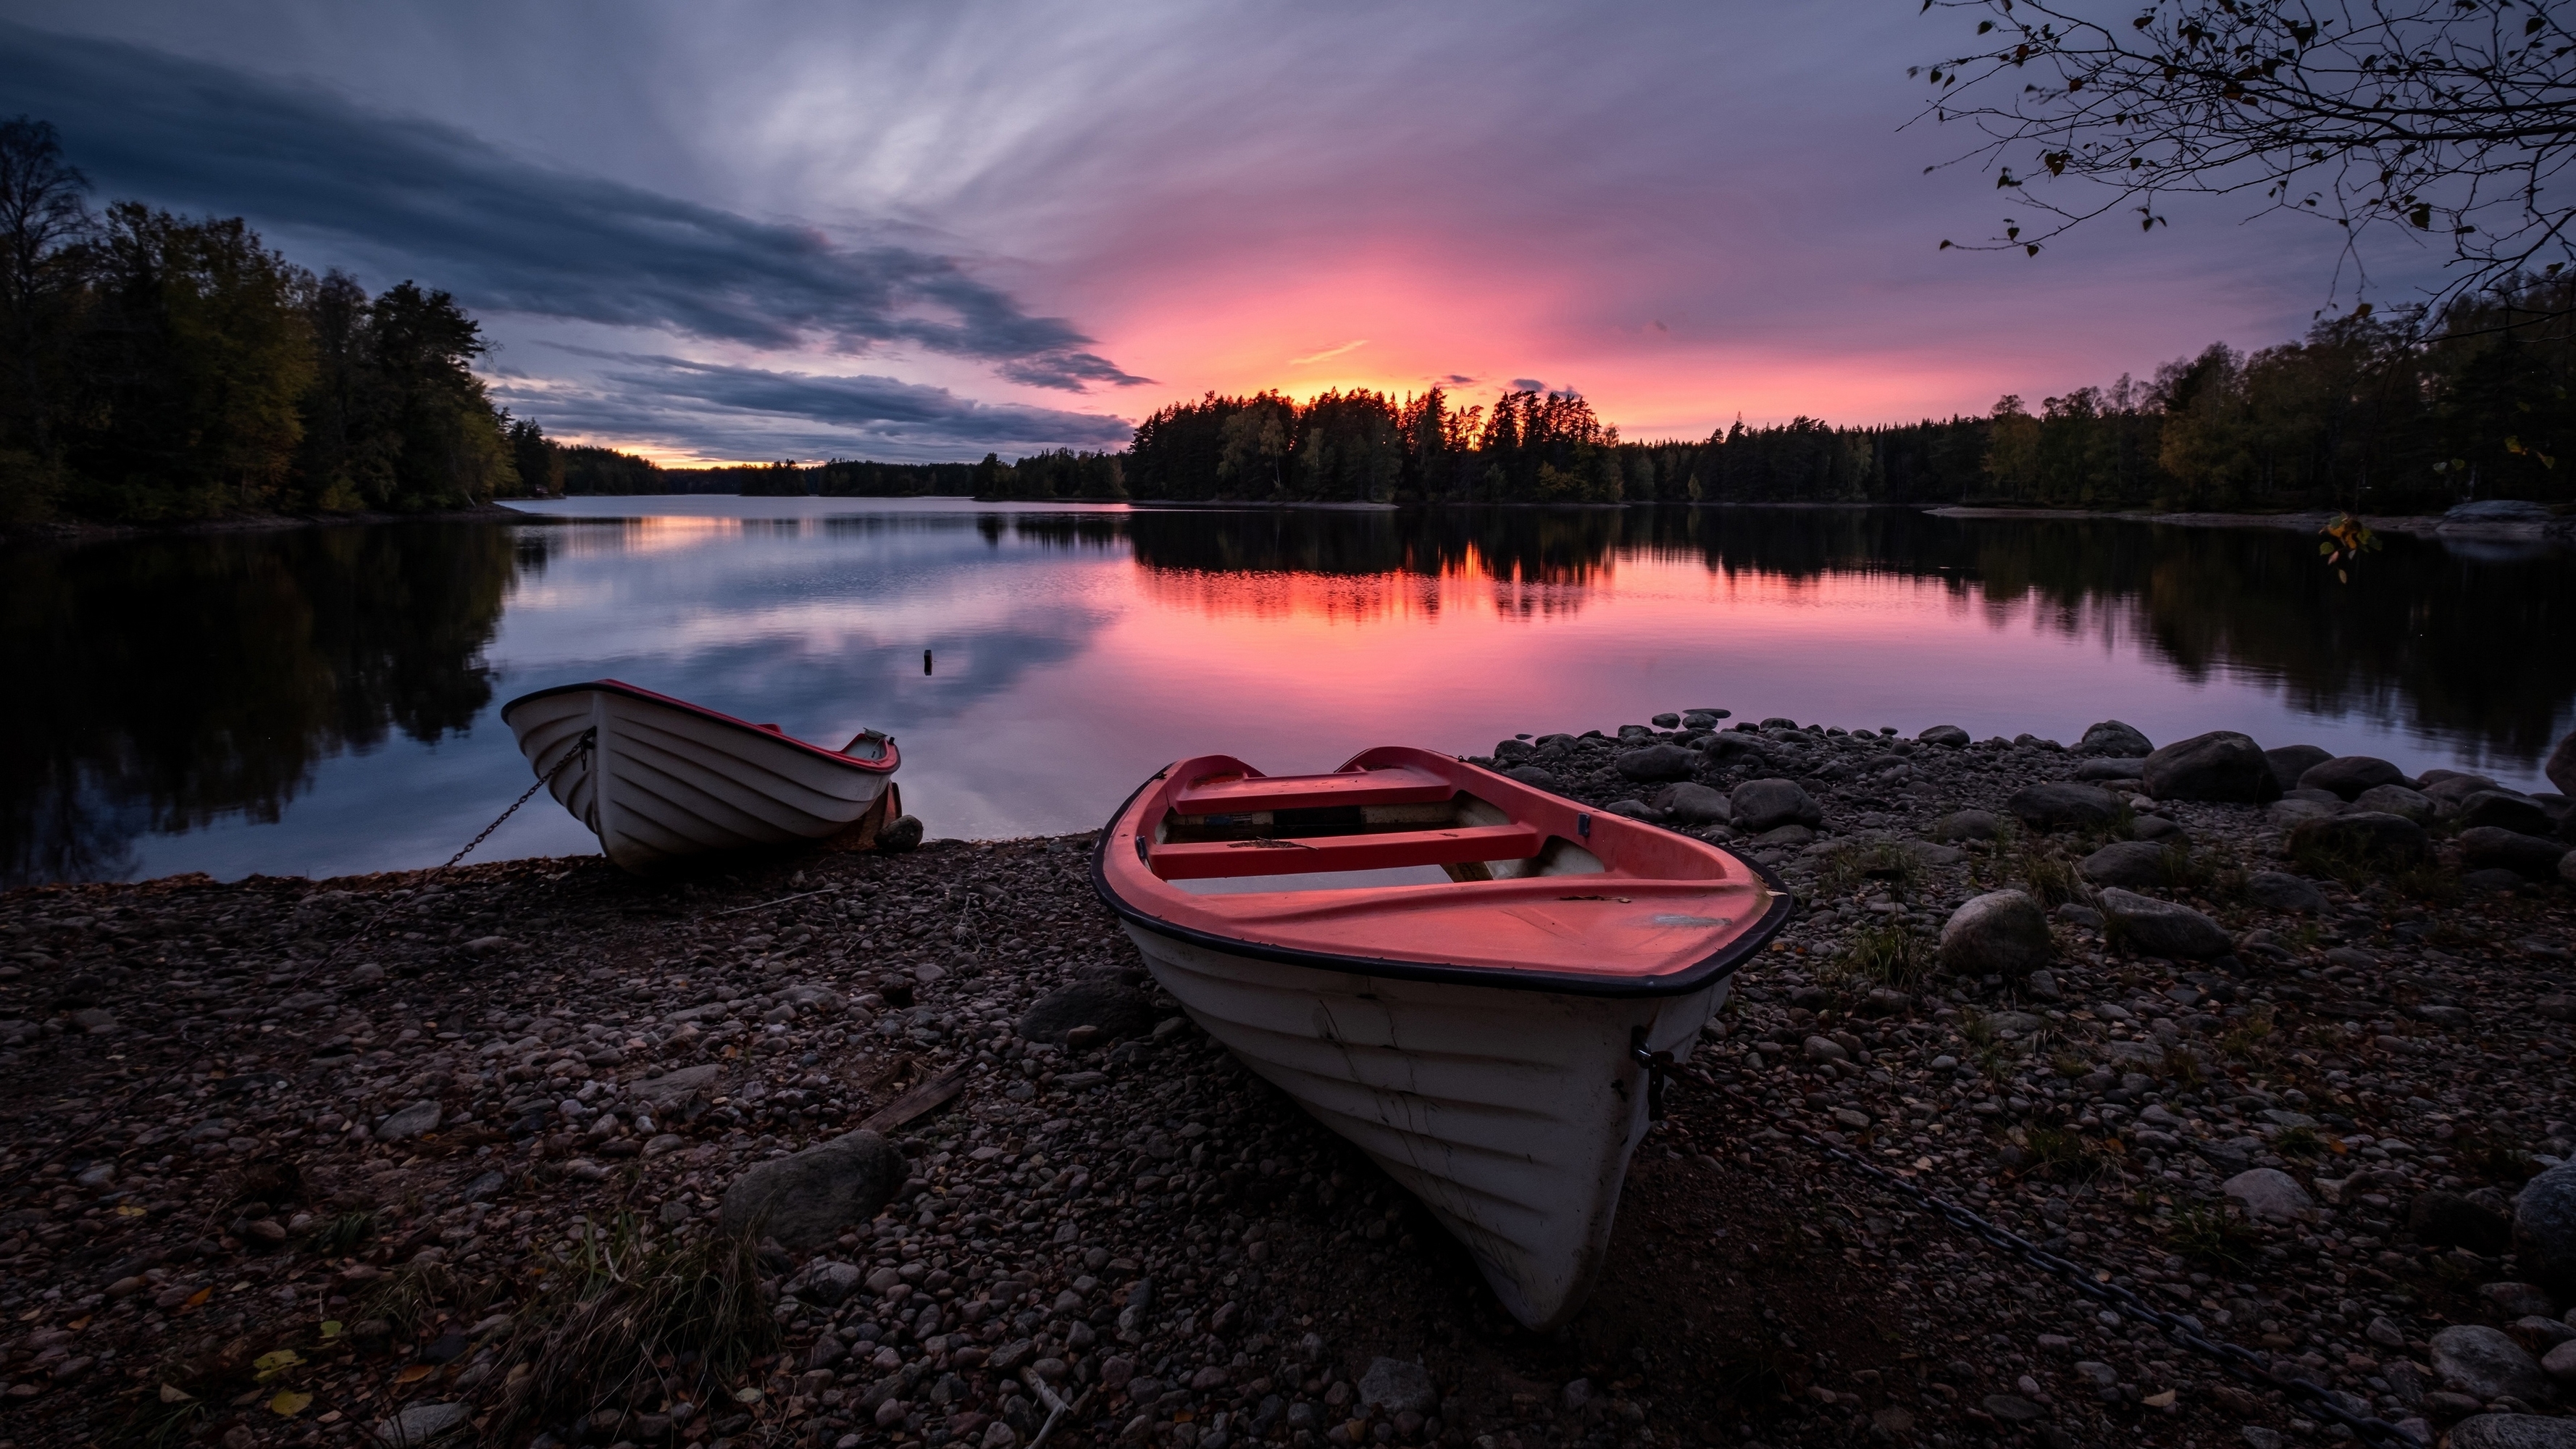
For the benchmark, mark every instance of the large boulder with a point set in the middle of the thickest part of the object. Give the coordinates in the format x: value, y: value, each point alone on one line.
x: 2453, y: 786
x: 2111, y: 767
x: 1659, y: 762
x: 2058, y: 805
x: 2561, y: 768
x: 2544, y: 1230
x: 2220, y: 765
x: 2485, y: 1364
x: 2528, y: 856
x: 1951, y: 737
x: 1690, y: 804
x: 2363, y: 835
x: 2349, y: 775
x: 2513, y: 1431
x: 1761, y: 805
x: 807, y: 1200
x: 2289, y: 762
x: 2505, y: 810
x: 2152, y: 927
x: 1967, y: 825
x: 1397, y: 1386
x: 2396, y: 800
x: 2001, y: 933
x: 1118, y: 1010
x: 2276, y: 890
x: 2111, y: 737
x: 2135, y: 863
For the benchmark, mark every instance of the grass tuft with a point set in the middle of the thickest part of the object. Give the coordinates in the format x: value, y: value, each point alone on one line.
x: 1887, y: 956
x: 628, y: 1320
x: 2051, y: 880
x: 342, y: 1234
x: 2299, y: 1142
x: 2066, y: 1155
x: 2209, y: 1236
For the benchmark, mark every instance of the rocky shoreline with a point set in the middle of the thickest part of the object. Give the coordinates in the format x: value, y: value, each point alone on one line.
x: 393, y: 1157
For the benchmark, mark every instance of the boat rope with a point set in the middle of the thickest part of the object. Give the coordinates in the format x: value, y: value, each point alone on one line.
x: 2242, y: 1362
x: 581, y: 749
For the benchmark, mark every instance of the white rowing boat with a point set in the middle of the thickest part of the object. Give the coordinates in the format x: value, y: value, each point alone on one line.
x: 660, y: 780
x: 1478, y: 983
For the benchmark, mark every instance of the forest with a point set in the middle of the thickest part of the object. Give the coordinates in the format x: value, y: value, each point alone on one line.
x: 2372, y: 412
x: 160, y: 368
x: 157, y: 367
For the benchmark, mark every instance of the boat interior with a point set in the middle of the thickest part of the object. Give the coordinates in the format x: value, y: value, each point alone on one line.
x: 1232, y: 833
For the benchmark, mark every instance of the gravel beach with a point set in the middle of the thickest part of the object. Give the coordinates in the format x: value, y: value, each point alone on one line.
x: 2277, y: 1040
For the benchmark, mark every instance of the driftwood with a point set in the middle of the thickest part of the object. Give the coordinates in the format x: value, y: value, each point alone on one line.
x: 922, y: 1100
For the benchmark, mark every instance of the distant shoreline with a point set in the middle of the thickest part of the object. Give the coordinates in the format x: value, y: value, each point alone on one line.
x: 2555, y: 528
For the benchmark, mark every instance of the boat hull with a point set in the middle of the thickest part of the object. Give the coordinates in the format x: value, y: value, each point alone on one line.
x: 1510, y: 1114
x: 662, y: 782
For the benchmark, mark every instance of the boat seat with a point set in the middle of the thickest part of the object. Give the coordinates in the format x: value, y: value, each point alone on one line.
x: 1246, y: 794
x: 1220, y: 859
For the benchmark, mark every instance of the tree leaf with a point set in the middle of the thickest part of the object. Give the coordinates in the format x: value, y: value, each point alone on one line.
x: 289, y: 1403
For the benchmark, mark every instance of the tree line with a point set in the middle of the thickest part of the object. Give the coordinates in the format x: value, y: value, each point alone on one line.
x: 165, y: 367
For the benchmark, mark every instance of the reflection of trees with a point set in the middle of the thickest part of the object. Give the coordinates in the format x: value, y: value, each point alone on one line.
x: 1530, y: 545
x: 167, y: 682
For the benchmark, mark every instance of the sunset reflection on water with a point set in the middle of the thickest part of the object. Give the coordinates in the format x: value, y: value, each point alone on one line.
x: 324, y: 701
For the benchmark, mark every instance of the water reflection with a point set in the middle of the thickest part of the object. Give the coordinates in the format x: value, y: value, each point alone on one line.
x: 275, y: 701
x: 167, y: 682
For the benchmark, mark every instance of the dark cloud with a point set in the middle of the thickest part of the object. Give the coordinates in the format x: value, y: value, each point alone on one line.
x: 505, y: 234
x: 721, y: 410
x: 1528, y: 384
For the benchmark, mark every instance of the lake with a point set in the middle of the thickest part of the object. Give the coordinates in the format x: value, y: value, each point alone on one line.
x: 319, y: 701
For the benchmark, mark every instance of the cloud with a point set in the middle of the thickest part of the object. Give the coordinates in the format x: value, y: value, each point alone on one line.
x: 719, y: 410
x: 1456, y: 379
x: 506, y: 234
x: 1327, y: 352
x: 1528, y: 384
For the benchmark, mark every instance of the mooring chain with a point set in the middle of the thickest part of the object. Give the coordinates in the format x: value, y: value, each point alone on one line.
x: 2244, y: 1363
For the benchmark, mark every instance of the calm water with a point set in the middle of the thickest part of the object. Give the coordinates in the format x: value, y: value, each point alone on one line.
x: 320, y: 701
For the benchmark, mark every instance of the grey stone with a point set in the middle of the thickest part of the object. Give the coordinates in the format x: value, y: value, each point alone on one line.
x: 2159, y: 829
x: 2505, y: 810
x: 1951, y: 737
x: 2220, y: 765
x: 2268, y: 1192
x: 831, y: 1283
x: 2518, y: 1300
x: 1633, y: 810
x: 2560, y: 1363
x: 2014, y: 1409
x: 1117, y: 1010
x: 2111, y: 737
x: 2567, y: 867
x: 2075, y: 913
x: 1536, y: 778
x: 2346, y: 776
x: 2396, y: 800
x: 2289, y: 762
x: 2160, y: 928
x: 2139, y: 863
x: 1762, y: 804
x: 2485, y: 1363
x: 806, y: 1201
x: 2530, y: 856
x: 411, y: 1121
x: 2000, y: 933
x: 2062, y: 806
x: 678, y: 1086
x: 1659, y: 762
x: 1694, y: 804
x: 423, y: 1423
x: 2544, y: 1230
x: 2363, y: 834
x: 1967, y: 825
x: 903, y: 835
x: 2276, y: 890
x: 2290, y: 813
x: 2561, y: 768
x: 2513, y: 1431
x: 1399, y: 1387
x: 2120, y: 767
x: 1506, y: 750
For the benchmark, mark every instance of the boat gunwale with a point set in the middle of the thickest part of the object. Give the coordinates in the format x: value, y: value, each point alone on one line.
x: 884, y: 765
x: 1698, y: 976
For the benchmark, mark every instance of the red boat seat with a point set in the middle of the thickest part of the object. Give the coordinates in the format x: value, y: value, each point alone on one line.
x: 1219, y: 859
x: 1243, y: 795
